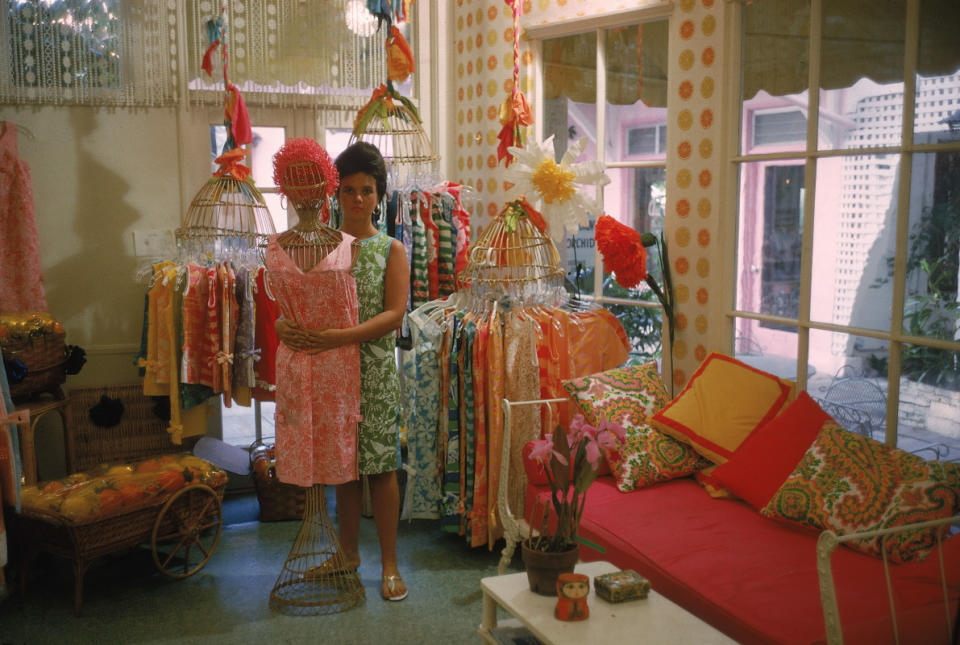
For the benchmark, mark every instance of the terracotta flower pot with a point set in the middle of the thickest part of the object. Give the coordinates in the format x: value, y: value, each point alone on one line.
x: 544, y: 567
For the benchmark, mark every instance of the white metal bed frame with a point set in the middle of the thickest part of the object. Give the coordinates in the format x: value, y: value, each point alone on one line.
x: 516, y: 529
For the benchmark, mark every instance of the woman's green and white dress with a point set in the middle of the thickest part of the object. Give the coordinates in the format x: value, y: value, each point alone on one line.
x: 379, y: 445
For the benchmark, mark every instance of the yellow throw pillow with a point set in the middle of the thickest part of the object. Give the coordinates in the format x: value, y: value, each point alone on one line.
x: 723, y: 403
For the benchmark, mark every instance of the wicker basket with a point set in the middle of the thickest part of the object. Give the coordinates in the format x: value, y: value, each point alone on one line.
x: 140, y: 432
x: 278, y: 501
x: 46, y: 358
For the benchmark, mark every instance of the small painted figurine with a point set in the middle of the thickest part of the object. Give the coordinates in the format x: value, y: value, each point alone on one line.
x: 572, y: 590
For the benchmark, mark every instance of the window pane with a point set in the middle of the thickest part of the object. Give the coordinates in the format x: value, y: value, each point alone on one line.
x: 850, y: 380
x: 864, y: 115
x: 636, y: 197
x: 277, y: 212
x: 775, y: 54
x: 636, y: 90
x: 570, y: 67
x: 644, y: 326
x: 933, y: 254
x: 938, y: 62
x: 855, y: 229
x: 768, y: 348
x: 771, y: 213
x: 929, y: 410
x: 570, y: 91
x: 266, y: 142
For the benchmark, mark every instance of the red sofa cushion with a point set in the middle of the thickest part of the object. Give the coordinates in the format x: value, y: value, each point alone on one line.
x: 768, y: 456
x: 754, y: 578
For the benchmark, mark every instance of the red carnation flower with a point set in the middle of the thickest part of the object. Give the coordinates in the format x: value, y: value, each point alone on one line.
x: 623, y: 252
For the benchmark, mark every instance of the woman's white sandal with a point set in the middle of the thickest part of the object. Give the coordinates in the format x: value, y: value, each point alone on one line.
x: 391, y: 582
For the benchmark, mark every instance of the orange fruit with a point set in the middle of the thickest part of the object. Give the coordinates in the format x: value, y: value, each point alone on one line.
x: 110, y: 500
x: 52, y: 487
x: 132, y: 493
x: 171, y: 480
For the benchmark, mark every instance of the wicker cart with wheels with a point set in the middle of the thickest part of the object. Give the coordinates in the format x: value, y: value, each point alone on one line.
x: 172, y: 502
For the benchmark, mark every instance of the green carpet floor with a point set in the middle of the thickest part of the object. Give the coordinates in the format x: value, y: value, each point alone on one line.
x: 127, y: 601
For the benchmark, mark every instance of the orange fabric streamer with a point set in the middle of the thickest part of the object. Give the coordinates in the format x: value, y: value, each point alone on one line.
x: 399, y: 56
x: 229, y: 163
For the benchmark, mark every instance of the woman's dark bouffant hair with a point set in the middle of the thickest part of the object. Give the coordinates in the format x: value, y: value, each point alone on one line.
x: 364, y: 157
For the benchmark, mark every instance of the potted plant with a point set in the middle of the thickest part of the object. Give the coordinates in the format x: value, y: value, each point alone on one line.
x: 570, y: 459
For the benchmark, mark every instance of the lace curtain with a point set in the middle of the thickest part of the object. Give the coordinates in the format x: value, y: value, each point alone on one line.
x: 89, y: 53
x: 289, y: 52
x: 147, y: 52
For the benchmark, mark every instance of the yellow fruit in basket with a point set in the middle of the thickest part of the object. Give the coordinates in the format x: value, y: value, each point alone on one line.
x: 120, y: 470
x: 77, y: 506
x: 31, y: 496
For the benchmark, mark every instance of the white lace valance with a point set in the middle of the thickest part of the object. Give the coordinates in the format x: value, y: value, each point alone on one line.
x: 325, y: 55
x: 106, y: 52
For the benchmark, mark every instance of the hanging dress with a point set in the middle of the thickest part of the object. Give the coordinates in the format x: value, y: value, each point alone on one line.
x: 380, y: 391
x: 21, y: 289
x: 317, y: 395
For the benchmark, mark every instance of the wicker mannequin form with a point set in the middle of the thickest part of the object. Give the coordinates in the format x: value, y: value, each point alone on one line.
x: 315, y: 579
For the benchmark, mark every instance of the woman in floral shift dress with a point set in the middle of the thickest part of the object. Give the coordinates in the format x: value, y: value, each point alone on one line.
x: 383, y: 285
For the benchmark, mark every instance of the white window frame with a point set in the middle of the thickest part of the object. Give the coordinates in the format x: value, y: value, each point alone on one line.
x: 730, y: 186
x: 599, y: 25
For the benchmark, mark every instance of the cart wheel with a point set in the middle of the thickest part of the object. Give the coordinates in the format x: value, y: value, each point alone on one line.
x: 186, y: 531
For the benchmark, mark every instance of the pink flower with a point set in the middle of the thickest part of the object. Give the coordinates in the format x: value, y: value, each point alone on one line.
x: 593, y: 454
x: 542, y: 449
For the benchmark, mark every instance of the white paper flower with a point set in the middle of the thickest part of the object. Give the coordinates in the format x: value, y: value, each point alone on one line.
x: 552, y: 188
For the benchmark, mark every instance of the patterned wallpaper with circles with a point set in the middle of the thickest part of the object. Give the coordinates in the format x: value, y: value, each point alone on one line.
x: 483, y: 77
x: 693, y: 136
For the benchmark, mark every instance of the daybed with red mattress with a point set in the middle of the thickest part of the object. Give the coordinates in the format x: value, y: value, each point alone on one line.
x: 733, y: 545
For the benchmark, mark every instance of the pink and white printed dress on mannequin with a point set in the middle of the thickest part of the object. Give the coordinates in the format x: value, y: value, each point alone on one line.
x: 318, y: 395
x: 21, y: 286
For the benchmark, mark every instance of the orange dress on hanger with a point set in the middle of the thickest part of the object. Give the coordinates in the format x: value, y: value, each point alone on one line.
x: 318, y: 395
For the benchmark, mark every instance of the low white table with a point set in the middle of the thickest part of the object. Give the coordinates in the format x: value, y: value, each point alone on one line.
x: 653, y: 620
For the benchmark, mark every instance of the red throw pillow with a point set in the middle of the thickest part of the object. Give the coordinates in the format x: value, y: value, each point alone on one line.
x: 768, y: 456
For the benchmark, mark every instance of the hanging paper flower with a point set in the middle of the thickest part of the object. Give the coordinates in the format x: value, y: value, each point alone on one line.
x: 554, y: 186
x: 624, y: 253
x: 399, y: 57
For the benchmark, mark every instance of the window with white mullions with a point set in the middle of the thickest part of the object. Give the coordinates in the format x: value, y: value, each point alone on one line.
x: 613, y: 81
x: 869, y: 187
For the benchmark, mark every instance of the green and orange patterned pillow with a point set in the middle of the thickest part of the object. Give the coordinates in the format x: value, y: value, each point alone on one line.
x: 628, y: 396
x: 846, y: 483
x: 623, y: 395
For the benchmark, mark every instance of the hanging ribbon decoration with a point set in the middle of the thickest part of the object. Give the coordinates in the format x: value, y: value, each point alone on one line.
x: 389, y: 11
x: 515, y: 113
x: 235, y: 116
x: 400, y: 65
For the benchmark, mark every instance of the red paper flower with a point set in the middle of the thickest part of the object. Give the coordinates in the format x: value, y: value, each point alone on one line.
x: 623, y: 252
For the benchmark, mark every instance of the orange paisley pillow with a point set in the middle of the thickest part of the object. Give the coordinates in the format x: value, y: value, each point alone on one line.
x: 847, y: 483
